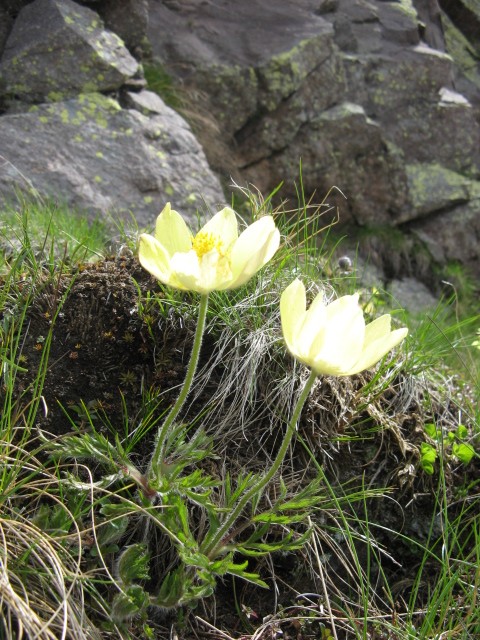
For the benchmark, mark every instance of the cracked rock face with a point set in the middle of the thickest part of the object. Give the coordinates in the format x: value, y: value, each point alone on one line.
x: 365, y: 93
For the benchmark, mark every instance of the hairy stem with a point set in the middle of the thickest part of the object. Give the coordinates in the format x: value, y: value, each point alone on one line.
x: 162, y: 435
x: 213, y: 545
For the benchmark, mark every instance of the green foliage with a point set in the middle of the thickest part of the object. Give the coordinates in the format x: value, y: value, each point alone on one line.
x: 83, y: 508
x: 129, y: 603
x: 49, y: 232
x: 453, y: 445
x: 133, y: 563
x: 160, y: 81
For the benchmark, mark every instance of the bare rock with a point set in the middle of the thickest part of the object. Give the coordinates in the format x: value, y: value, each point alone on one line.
x: 6, y: 22
x: 399, y: 21
x: 430, y: 23
x: 128, y: 19
x: 57, y: 49
x: 342, y: 147
x: 97, y: 157
x: 434, y: 188
x: 412, y: 295
x: 454, y: 235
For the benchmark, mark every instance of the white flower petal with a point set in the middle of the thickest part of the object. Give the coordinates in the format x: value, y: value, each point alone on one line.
x: 292, y: 313
x: 313, y: 326
x: 343, y: 336
x: 378, y: 328
x: 154, y: 258
x: 253, y: 249
x: 172, y: 232
x: 186, y: 267
x: 204, y: 263
x: 377, y: 349
x: 332, y: 339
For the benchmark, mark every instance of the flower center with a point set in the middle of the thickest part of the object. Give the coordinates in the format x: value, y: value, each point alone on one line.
x: 205, y: 242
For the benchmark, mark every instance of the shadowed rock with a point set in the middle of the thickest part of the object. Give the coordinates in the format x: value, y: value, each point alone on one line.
x: 57, y: 49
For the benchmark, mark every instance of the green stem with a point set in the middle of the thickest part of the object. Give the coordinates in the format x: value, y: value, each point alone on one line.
x: 159, y: 451
x: 211, y: 546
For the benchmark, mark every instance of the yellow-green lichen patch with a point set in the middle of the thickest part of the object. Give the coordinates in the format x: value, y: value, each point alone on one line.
x: 462, y: 50
x: 433, y: 187
x: 55, y: 96
x: 286, y: 71
x: 88, y: 108
x: 406, y: 7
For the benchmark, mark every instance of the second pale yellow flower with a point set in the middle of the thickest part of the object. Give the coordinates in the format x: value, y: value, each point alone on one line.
x: 217, y: 258
x: 332, y: 338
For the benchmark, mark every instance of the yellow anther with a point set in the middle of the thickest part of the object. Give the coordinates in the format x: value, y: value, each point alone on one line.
x: 205, y: 242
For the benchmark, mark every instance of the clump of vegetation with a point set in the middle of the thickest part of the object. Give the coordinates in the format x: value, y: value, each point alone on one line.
x: 279, y: 504
x: 160, y: 81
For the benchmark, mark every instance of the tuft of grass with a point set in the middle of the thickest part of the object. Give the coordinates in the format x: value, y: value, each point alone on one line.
x: 161, y: 82
x: 50, y: 233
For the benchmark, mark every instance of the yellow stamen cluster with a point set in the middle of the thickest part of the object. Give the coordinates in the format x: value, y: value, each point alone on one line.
x: 205, y: 242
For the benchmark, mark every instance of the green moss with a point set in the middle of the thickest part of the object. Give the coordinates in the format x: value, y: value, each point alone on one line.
x: 161, y: 83
x: 461, y: 50
x: 407, y: 8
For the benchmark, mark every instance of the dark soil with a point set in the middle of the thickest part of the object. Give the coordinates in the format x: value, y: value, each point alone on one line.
x: 112, y: 347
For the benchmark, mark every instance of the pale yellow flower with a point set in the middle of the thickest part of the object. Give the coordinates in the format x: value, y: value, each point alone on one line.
x: 332, y: 339
x: 216, y: 258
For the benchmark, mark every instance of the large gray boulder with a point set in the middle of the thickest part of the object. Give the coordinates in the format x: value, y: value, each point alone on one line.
x: 95, y: 156
x: 57, y: 49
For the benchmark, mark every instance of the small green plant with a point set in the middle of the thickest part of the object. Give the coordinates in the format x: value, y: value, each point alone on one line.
x: 453, y: 445
x: 42, y: 586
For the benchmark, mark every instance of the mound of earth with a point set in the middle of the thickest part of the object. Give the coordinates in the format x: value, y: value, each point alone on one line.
x: 118, y: 343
